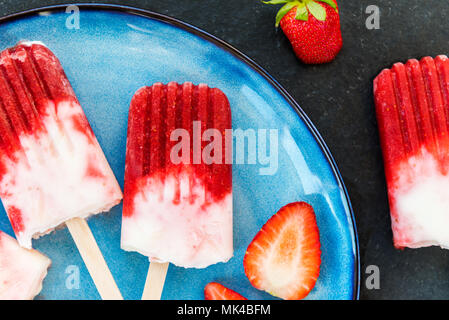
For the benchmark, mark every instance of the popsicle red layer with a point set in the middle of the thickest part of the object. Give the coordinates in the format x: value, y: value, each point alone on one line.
x: 412, y: 105
x: 52, y: 168
x: 178, y: 210
x: 21, y: 270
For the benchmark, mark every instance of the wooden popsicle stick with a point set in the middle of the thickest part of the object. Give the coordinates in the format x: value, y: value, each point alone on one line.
x: 94, y: 260
x: 155, y: 281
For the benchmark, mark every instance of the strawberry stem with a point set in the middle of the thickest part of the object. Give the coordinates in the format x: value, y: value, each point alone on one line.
x: 303, y: 8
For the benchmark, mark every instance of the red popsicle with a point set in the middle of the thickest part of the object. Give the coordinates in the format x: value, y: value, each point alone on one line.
x: 52, y: 168
x: 412, y: 106
x: 178, y: 186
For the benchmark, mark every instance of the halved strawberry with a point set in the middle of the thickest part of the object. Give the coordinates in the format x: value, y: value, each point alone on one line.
x: 216, y: 291
x: 284, y: 258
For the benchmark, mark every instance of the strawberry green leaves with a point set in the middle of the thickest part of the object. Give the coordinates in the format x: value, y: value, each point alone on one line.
x: 303, y: 7
x: 302, y: 14
x: 284, y: 10
x: 316, y: 10
x: 331, y: 3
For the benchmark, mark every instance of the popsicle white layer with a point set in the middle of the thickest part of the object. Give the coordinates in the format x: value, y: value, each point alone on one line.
x: 185, y: 234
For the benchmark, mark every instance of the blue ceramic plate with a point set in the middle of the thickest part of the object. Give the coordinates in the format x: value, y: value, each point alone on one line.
x: 115, y: 51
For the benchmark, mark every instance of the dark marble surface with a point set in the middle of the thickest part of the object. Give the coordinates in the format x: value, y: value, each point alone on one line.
x: 338, y: 98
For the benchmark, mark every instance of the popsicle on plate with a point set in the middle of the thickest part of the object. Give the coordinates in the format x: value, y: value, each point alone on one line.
x: 21, y: 270
x: 52, y: 168
x: 178, y: 210
x: 412, y: 106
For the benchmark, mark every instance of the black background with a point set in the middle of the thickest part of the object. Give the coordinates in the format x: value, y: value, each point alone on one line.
x: 338, y: 98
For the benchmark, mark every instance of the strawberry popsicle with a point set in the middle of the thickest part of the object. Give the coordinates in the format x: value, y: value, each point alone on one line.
x: 52, y: 168
x: 412, y: 106
x: 178, y: 202
x: 21, y: 270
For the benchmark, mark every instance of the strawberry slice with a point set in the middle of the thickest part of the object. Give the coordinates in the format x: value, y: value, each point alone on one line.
x: 284, y: 258
x: 216, y: 291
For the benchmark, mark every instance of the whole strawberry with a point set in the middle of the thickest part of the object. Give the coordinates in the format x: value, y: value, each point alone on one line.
x: 312, y: 27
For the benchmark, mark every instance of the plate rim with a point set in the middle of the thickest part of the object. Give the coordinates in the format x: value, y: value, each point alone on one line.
x: 245, y: 59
